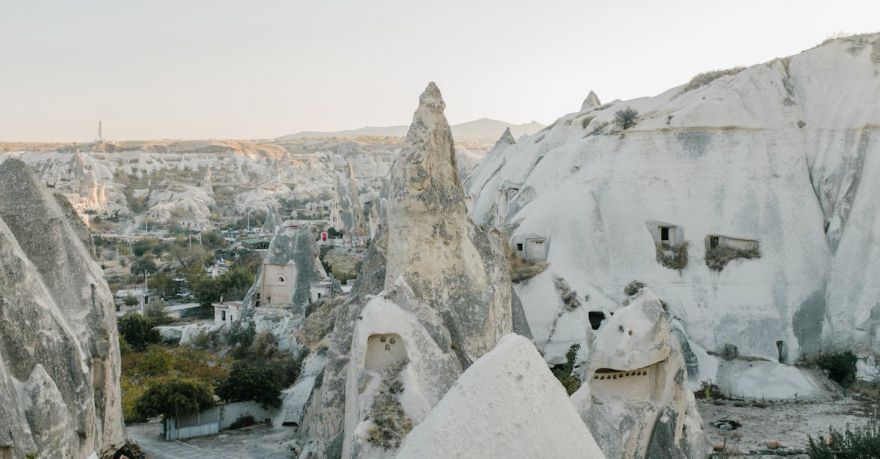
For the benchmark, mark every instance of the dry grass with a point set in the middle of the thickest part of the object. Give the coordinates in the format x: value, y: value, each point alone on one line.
x: 705, y: 78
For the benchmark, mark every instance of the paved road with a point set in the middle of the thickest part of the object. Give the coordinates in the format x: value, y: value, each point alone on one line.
x: 251, y: 442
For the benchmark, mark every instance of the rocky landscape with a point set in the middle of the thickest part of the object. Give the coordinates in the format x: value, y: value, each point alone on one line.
x: 571, y: 294
x: 198, y: 183
x: 745, y: 199
x: 59, y: 351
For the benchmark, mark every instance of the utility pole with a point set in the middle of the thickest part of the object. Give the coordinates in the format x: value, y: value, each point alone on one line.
x: 146, y: 293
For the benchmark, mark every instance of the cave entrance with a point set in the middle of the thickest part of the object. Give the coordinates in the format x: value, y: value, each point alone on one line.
x: 596, y: 319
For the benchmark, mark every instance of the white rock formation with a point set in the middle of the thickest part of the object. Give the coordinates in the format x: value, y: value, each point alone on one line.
x: 640, y: 405
x: 434, y: 294
x: 455, y: 267
x: 507, y: 404
x: 351, y: 213
x: 279, y: 300
x: 591, y: 102
x: 59, y: 349
x: 765, y: 154
x: 186, y: 181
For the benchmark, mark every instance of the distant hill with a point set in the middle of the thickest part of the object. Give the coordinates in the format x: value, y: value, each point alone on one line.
x: 483, y: 129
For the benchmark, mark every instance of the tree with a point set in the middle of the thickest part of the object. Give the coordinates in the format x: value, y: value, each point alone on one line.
x: 213, y: 240
x: 251, y: 380
x: 137, y: 330
x: 240, y: 338
x: 131, y: 301
x: 174, y: 397
x: 626, y: 118
x: 141, y: 265
x: 232, y: 285
x: 156, y: 314
x: 565, y: 372
x: 334, y: 233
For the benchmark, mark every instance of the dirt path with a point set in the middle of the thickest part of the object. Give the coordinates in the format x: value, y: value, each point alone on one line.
x: 788, y: 422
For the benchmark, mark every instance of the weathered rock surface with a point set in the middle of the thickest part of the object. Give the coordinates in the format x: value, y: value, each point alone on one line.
x: 766, y: 154
x: 279, y: 301
x: 507, y: 404
x: 591, y: 102
x: 59, y: 350
x: 639, y: 404
x: 347, y: 213
x: 434, y: 294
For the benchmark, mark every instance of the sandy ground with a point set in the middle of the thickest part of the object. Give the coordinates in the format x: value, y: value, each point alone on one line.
x: 788, y: 422
x: 251, y: 442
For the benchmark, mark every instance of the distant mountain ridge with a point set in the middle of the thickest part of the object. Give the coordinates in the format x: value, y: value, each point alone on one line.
x: 481, y: 129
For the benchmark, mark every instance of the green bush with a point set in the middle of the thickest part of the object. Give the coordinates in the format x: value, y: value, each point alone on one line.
x: 240, y: 337
x: 709, y: 391
x: 155, y: 313
x: 626, y: 118
x: 174, y: 397
x: 251, y: 380
x: 841, y: 366
x: 243, y: 421
x: 858, y: 443
x: 565, y: 372
x: 137, y: 330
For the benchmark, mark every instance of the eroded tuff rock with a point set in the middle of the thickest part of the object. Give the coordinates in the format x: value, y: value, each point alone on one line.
x: 505, y: 139
x: 767, y: 155
x: 507, y: 404
x: 347, y: 211
x: 635, y: 398
x: 279, y: 301
x: 434, y: 294
x: 59, y: 351
x: 591, y: 102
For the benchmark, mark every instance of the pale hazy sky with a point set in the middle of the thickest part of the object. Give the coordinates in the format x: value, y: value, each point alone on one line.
x: 257, y: 69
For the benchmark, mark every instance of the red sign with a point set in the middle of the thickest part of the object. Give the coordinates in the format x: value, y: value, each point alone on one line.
x: 323, y: 235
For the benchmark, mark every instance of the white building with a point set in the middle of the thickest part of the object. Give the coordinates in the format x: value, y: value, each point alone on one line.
x: 227, y: 312
x: 319, y: 290
x: 531, y: 247
x: 276, y: 284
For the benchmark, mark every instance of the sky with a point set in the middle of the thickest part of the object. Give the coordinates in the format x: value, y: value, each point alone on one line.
x: 199, y: 69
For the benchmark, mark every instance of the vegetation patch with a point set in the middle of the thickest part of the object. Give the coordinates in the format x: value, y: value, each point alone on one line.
x: 626, y: 118
x: 718, y: 257
x: 673, y: 256
x: 633, y: 287
x: 142, y: 370
x: 859, y: 442
x: 709, y: 391
x: 564, y: 372
x: 174, y: 396
x: 841, y: 366
x: 567, y: 294
x: 390, y: 422
x: 243, y: 421
x: 702, y: 79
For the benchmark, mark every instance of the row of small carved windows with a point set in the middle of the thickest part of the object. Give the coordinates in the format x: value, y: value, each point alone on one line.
x: 622, y: 375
